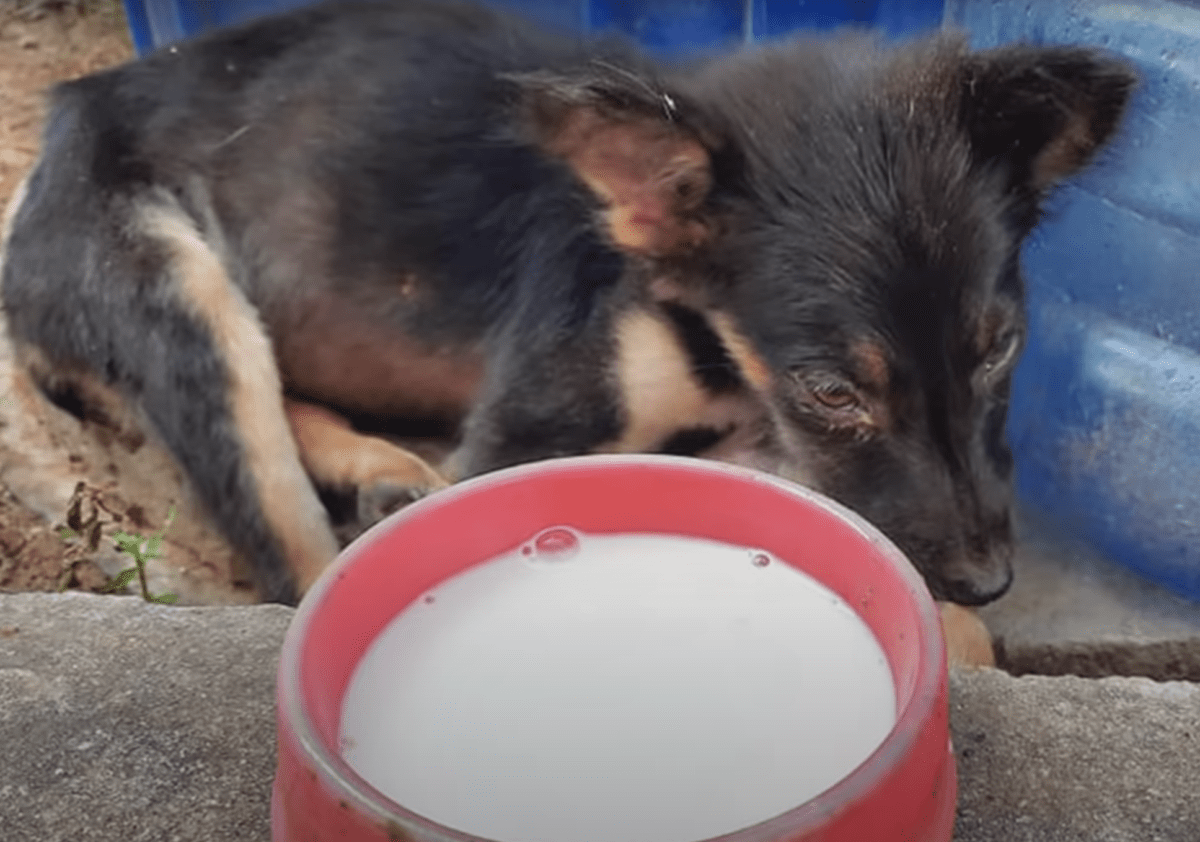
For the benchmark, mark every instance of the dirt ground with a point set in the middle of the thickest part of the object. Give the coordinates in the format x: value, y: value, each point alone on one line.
x: 55, y: 470
x: 41, y: 44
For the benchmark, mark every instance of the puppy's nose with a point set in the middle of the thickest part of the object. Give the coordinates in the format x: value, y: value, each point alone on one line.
x: 978, y: 584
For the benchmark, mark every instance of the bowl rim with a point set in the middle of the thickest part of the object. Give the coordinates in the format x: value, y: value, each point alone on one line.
x: 347, y: 786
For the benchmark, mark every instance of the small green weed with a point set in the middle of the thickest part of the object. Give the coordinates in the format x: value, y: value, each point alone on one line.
x: 140, y: 548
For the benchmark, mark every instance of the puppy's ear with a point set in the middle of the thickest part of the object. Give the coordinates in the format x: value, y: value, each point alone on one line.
x: 640, y: 149
x: 1042, y: 111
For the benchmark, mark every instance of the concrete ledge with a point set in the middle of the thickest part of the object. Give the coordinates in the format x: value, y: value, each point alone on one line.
x: 121, y: 720
x: 1071, y: 611
x: 126, y: 721
x: 1067, y: 759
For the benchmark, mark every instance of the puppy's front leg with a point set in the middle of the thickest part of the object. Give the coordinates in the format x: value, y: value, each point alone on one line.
x: 968, y: 642
x: 383, y: 476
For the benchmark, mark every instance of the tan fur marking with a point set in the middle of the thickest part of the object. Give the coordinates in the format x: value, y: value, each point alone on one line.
x: 660, y: 393
x: 874, y: 374
x: 968, y: 642
x: 408, y: 286
x: 1066, y: 152
x: 335, y: 454
x: 290, y: 504
x: 338, y: 352
x: 656, y: 382
x: 651, y: 178
x: 753, y: 367
x: 871, y: 364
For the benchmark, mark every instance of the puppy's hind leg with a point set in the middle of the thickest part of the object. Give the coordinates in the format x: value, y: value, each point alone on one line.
x: 219, y: 407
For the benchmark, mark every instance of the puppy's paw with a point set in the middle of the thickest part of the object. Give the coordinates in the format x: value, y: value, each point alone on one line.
x: 353, y: 509
x: 378, y: 499
x: 362, y: 478
x: 968, y: 642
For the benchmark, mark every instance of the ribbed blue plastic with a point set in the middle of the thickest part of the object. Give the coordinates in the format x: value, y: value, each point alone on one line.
x: 667, y: 26
x: 1105, y: 418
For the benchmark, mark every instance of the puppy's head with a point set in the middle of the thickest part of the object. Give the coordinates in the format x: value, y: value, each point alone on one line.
x: 875, y: 203
x: 848, y: 219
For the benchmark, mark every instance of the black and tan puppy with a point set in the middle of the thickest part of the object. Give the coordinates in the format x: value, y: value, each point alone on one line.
x: 802, y: 257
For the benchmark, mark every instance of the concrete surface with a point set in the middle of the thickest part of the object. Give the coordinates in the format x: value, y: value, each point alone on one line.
x: 1068, y: 759
x: 1073, y: 611
x: 125, y: 721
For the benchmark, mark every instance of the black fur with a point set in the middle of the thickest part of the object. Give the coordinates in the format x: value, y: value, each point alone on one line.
x: 407, y: 166
x: 710, y: 358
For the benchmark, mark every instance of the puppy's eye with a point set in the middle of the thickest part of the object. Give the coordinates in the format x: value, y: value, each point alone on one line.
x: 834, y: 402
x: 828, y: 392
x: 838, y: 396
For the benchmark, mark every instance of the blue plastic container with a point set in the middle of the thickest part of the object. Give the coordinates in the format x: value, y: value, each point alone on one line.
x: 1105, y: 417
x: 667, y: 26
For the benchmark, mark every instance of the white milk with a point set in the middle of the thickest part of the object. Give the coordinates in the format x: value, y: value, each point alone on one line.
x: 607, y: 688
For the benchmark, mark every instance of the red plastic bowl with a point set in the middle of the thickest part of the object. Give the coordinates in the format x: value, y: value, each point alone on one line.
x: 905, y: 790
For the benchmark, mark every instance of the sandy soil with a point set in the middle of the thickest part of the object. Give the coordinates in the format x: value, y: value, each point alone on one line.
x: 39, y: 46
